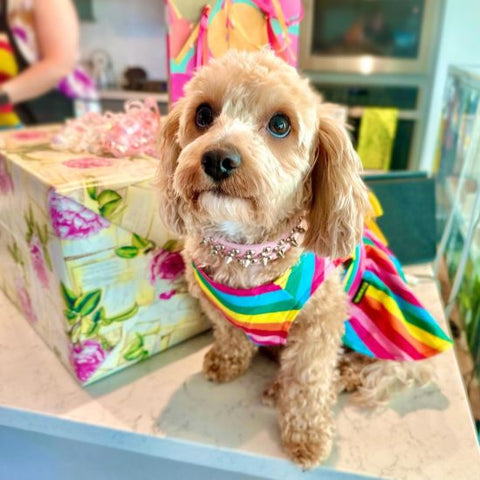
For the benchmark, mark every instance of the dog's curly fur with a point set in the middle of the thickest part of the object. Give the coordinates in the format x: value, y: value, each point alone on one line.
x: 313, y: 172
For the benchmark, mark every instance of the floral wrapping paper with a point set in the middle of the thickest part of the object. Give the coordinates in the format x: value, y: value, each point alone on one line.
x: 84, y: 257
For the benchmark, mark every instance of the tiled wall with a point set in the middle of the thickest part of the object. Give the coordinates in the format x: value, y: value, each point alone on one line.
x: 131, y: 31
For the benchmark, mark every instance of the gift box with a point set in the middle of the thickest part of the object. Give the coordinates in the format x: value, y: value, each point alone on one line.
x: 200, y: 30
x: 84, y: 256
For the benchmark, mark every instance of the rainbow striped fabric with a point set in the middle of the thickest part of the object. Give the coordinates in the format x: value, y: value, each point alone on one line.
x: 386, y: 319
x: 266, y: 313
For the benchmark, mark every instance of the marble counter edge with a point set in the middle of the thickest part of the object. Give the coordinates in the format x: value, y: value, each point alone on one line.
x: 183, y: 451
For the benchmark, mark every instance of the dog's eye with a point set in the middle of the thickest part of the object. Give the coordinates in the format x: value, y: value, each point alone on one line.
x: 204, y: 115
x: 279, y: 125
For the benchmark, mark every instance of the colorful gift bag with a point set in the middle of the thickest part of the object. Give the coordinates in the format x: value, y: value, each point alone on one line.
x: 198, y: 31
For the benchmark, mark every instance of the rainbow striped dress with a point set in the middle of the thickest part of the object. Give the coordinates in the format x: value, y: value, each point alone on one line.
x: 385, y: 321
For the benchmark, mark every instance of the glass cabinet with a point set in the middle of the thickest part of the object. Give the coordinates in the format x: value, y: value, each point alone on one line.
x: 458, y: 198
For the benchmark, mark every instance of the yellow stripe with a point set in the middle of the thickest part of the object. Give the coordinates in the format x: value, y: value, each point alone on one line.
x: 283, y: 279
x: 371, y: 222
x: 188, y: 45
x: 375, y: 229
x: 375, y: 204
x: 272, y: 318
x: 427, y: 338
x: 9, y: 119
x: 416, y: 332
x: 8, y: 63
x: 350, y: 269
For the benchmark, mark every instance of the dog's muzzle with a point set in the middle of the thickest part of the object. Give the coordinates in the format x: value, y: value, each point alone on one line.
x: 220, y: 164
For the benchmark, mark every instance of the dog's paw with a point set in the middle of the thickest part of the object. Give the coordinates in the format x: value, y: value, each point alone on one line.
x: 307, y: 448
x: 224, y: 368
x: 270, y: 394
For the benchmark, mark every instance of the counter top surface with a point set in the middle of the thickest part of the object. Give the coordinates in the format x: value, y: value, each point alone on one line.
x: 424, y: 433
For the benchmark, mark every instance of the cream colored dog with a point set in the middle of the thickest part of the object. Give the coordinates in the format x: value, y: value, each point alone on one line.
x: 247, y: 152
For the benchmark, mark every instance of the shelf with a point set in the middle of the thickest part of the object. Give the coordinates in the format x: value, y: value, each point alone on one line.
x: 119, y: 94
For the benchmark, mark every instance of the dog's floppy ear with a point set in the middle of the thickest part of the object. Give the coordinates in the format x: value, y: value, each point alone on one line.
x: 339, y: 198
x: 169, y: 150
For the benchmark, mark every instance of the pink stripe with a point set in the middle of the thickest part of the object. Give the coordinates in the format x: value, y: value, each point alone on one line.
x: 369, y: 341
x: 395, y: 283
x: 267, y: 339
x: 371, y: 332
x: 369, y: 234
x: 323, y: 268
x: 374, y: 255
x: 240, y: 292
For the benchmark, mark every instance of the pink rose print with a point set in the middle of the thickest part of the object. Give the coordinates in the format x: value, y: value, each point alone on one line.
x: 71, y: 220
x: 6, y: 183
x: 86, y: 357
x: 166, y: 265
x: 167, y: 295
x: 88, y: 162
x: 38, y: 261
x: 25, y: 303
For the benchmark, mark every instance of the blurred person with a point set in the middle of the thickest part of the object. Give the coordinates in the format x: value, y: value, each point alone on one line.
x: 38, y: 49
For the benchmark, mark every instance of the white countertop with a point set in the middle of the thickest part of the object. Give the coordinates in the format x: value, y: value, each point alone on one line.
x: 164, y: 407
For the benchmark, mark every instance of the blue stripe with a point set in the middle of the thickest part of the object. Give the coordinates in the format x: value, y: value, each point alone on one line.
x: 301, y: 276
x: 182, y: 66
x: 303, y: 292
x: 252, y: 301
x: 353, y: 341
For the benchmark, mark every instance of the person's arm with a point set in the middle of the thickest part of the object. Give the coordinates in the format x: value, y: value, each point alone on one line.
x: 57, y: 31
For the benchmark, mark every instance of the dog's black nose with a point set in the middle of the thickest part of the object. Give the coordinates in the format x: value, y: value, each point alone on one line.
x: 220, y: 164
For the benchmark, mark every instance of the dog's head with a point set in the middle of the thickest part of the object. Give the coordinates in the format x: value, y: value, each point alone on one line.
x: 250, y: 147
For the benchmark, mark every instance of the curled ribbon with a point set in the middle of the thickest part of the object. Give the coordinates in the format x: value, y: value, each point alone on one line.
x: 202, y: 44
x: 128, y: 133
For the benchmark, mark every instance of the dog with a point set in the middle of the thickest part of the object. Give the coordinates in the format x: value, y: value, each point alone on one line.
x: 255, y: 172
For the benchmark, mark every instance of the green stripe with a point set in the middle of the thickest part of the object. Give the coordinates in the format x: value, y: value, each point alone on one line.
x: 352, y: 270
x: 426, y: 322
x: 275, y: 307
x: 419, y: 317
x: 295, y: 279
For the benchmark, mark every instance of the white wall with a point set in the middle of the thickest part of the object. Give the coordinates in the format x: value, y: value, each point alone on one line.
x: 459, y: 45
x: 131, y: 31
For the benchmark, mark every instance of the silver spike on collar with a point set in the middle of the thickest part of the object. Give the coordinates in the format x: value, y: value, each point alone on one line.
x: 257, y: 254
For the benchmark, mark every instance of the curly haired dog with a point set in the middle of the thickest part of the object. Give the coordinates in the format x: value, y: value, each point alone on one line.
x: 248, y: 152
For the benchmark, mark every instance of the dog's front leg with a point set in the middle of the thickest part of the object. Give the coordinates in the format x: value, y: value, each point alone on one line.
x: 230, y: 355
x: 307, y: 389
x: 231, y: 352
